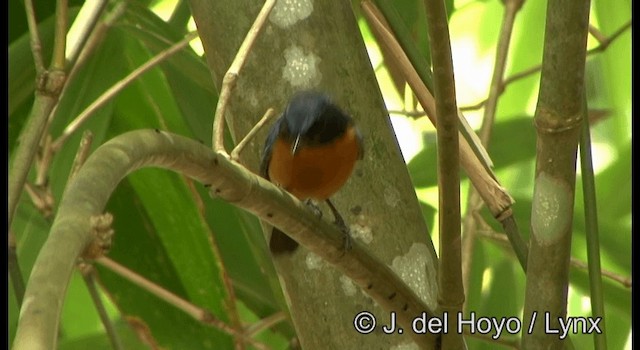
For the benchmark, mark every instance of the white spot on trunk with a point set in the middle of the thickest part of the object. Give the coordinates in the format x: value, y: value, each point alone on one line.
x: 301, y: 70
x: 286, y: 13
x: 415, y: 269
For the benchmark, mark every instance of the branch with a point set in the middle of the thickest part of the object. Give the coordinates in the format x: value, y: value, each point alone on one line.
x: 196, y: 312
x: 229, y: 80
x: 89, y: 277
x: 58, y: 61
x: 535, y: 69
x: 475, y: 165
x: 36, y: 43
x: 49, y: 86
x: 90, y: 189
x: 117, y: 87
x: 468, y: 240
x: 450, y: 288
x: 592, y: 232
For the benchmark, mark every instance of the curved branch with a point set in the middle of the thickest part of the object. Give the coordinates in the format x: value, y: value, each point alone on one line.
x: 90, y: 189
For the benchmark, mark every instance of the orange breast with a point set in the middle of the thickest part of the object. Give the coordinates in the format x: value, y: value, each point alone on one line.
x: 315, y: 172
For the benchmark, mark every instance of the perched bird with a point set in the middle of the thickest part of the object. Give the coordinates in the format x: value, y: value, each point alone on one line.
x: 310, y: 151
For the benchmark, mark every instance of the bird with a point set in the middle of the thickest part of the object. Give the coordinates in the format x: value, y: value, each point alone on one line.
x: 310, y: 151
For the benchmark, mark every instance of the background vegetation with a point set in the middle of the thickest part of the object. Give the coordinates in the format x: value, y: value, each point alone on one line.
x: 169, y: 230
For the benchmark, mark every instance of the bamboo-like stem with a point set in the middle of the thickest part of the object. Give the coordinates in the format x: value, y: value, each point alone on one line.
x: 58, y: 61
x: 48, y: 87
x: 229, y: 80
x: 88, y: 192
x: 558, y: 119
x: 36, y: 43
x: 117, y: 87
x: 30, y: 138
x: 592, y: 232
x: 450, y: 288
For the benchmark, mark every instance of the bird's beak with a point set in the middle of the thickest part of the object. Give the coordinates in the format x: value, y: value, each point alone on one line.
x: 296, y: 144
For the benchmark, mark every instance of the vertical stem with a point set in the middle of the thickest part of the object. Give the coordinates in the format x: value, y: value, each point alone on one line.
x: 49, y: 84
x: 36, y: 44
x: 60, y: 39
x: 557, y: 119
x: 511, y: 9
x: 450, y: 288
x: 591, y: 226
x: 29, y: 140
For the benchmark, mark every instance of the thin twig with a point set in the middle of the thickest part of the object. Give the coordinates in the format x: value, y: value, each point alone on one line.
x: 591, y: 229
x: 473, y: 160
x: 502, y: 239
x: 97, y: 36
x: 117, y: 87
x: 535, y: 69
x: 266, y: 323
x: 597, y: 34
x: 36, y: 43
x: 41, y: 198
x: 623, y: 280
x: 44, y: 161
x: 511, y: 9
x: 607, y: 41
x: 229, y: 80
x: 469, y: 228
x: 410, y: 114
x: 196, y: 312
x: 89, y: 276
x: 235, y: 154
x: 82, y: 153
x: 58, y: 60
x: 474, y: 202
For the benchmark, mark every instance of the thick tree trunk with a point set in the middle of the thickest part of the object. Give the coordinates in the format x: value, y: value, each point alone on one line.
x: 318, y: 45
